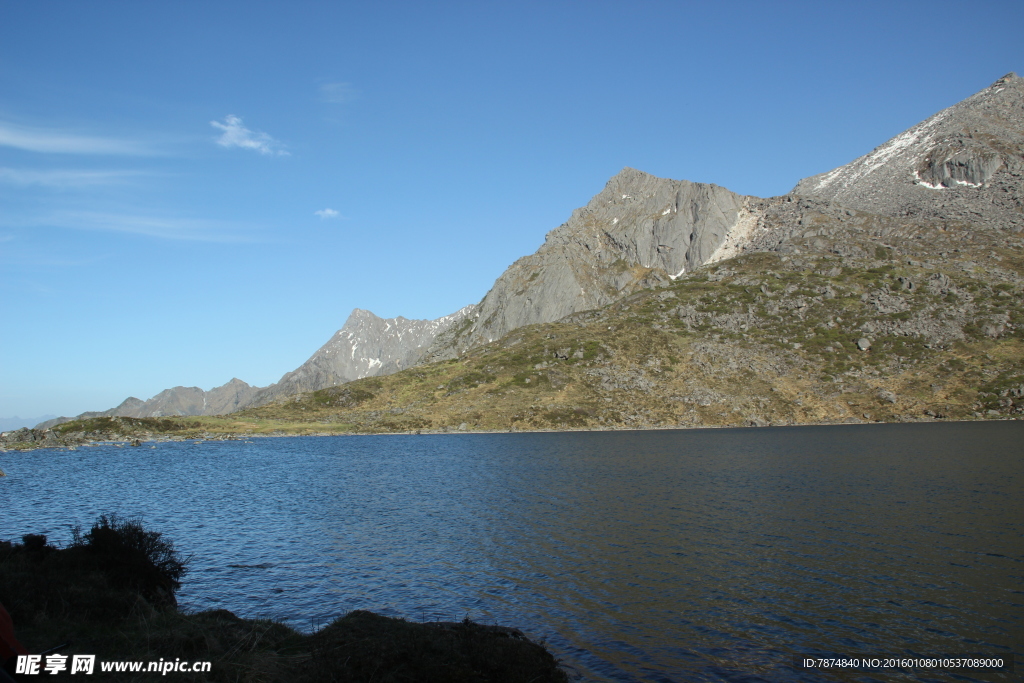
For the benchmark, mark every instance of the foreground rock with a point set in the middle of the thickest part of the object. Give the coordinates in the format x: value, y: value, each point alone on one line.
x: 128, y: 430
x: 37, y: 438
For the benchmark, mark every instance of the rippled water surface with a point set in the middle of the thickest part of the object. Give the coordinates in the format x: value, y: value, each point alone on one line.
x: 699, y: 555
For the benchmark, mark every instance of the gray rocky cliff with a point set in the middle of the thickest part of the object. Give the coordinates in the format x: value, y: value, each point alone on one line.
x: 365, y: 346
x: 636, y: 232
x: 963, y: 162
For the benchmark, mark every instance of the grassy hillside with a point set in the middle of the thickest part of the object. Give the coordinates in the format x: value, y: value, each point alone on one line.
x: 768, y: 337
x: 763, y: 339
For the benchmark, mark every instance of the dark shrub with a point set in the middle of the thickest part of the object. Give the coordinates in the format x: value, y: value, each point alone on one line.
x: 131, y: 557
x: 117, y: 567
x: 34, y: 542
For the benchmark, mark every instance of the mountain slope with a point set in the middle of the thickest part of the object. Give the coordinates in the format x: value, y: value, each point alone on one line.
x: 832, y: 315
x: 365, y: 346
x: 965, y: 162
x: 639, y: 230
x: 887, y: 289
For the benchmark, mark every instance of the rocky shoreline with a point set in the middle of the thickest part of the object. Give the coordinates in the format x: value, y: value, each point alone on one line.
x: 27, y: 439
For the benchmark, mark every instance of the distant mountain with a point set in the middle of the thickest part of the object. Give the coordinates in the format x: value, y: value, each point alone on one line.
x: 964, y: 162
x: 226, y: 398
x: 188, y: 401
x: 7, y: 423
x: 365, y: 346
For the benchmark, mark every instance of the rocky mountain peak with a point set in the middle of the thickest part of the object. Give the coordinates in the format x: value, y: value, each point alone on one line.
x: 365, y: 346
x: 628, y: 176
x: 638, y: 231
x: 1004, y: 80
x: 967, y: 155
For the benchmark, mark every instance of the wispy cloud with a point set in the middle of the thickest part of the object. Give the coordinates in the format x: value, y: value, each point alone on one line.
x: 338, y: 93
x: 235, y: 134
x: 63, y: 178
x: 171, y: 228
x: 326, y: 213
x: 52, y: 141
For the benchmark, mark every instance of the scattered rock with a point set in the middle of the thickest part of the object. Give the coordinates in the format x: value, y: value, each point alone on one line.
x: 993, y: 329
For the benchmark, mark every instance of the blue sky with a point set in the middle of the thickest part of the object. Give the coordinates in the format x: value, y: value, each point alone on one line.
x: 191, y: 192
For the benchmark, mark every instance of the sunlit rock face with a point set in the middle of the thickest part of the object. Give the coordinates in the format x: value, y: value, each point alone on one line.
x: 365, y: 346
x: 965, y: 161
x: 638, y: 231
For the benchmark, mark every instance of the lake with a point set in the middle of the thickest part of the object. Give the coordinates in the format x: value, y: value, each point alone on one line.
x: 677, y: 555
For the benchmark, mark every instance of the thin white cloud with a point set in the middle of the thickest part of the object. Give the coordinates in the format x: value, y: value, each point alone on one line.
x: 50, y: 141
x: 237, y: 135
x: 338, y: 93
x: 63, y: 178
x: 326, y: 213
x: 190, y: 229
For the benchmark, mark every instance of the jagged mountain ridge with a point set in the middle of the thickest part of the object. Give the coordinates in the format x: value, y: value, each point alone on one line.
x: 640, y: 229
x: 365, y: 346
x: 965, y: 163
x: 227, y: 398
